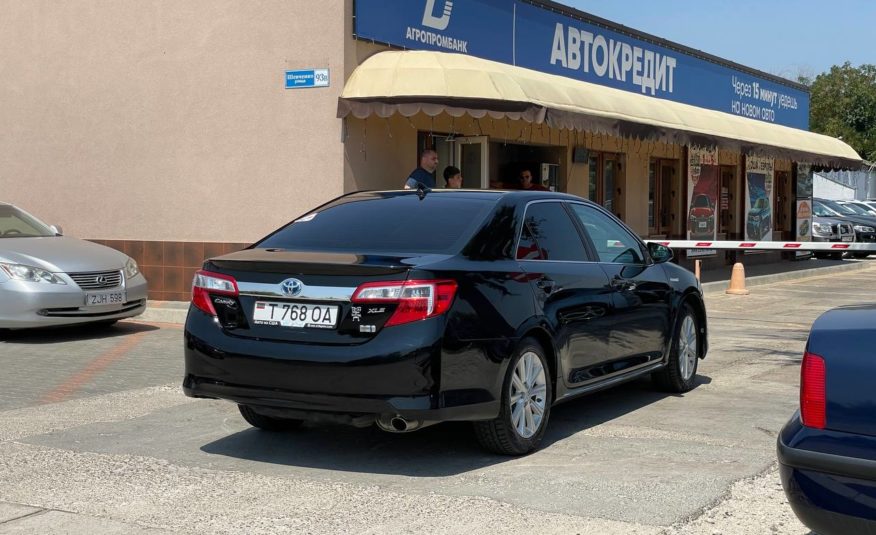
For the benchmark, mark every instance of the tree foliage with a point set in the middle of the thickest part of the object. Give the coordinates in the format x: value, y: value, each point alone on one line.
x: 843, y: 104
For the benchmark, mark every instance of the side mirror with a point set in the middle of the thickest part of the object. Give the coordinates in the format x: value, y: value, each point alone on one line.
x: 57, y: 230
x: 659, y: 253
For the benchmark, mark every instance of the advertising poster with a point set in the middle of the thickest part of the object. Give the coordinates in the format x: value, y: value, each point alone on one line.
x: 759, y: 192
x: 804, y: 181
x: 702, y: 198
x: 804, y: 206
x: 804, y: 220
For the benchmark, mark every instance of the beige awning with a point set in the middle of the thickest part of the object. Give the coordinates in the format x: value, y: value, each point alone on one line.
x: 411, y: 82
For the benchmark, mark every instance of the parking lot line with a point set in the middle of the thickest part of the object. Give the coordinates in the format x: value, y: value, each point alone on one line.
x: 76, y: 381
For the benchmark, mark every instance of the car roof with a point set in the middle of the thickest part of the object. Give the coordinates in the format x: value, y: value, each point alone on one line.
x: 516, y: 195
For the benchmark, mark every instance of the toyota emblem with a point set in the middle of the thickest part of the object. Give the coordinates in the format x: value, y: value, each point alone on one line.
x: 292, y: 287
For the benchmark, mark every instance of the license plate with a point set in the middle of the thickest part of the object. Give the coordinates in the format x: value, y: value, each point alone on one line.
x: 702, y: 224
x: 848, y: 238
x: 295, y: 315
x: 105, y: 298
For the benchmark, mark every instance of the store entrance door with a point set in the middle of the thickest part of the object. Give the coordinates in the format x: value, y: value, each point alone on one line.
x: 472, y: 157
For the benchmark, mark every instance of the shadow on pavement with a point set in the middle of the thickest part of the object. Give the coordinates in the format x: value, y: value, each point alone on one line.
x: 56, y: 335
x: 437, y: 451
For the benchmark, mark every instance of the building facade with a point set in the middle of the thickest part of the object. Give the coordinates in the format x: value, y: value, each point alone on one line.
x: 178, y: 131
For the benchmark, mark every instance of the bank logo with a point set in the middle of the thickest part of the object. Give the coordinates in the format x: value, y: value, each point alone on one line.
x: 431, y: 38
x: 438, y: 23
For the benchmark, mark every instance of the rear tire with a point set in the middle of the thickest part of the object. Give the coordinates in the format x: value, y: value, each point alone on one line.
x: 679, y: 374
x: 527, y: 394
x: 268, y: 423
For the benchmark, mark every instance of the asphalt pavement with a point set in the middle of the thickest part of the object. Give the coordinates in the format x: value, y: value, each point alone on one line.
x: 96, y: 437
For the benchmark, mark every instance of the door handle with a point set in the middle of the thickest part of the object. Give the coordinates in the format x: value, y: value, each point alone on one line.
x: 546, y: 284
x: 623, y: 284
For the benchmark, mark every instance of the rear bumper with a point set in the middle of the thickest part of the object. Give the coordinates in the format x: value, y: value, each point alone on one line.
x: 829, y: 493
x: 404, y: 370
x: 424, y: 407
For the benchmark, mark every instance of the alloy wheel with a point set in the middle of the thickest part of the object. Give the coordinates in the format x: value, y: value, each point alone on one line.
x: 527, y: 395
x: 687, y: 348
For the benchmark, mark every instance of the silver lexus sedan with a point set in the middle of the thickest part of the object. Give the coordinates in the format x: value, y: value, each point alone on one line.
x: 47, y: 279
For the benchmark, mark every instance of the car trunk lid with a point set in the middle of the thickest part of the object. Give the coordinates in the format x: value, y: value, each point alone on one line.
x: 844, y: 337
x: 307, y: 296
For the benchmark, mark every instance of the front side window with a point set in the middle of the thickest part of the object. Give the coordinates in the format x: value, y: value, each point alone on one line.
x: 552, y: 231
x: 15, y: 223
x: 614, y: 244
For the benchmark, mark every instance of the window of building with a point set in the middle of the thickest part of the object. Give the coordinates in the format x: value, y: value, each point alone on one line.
x: 663, y: 187
x: 603, y: 169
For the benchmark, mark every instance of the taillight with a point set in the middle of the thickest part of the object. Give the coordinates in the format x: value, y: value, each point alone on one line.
x: 206, y: 283
x: 813, y: 396
x: 416, y: 299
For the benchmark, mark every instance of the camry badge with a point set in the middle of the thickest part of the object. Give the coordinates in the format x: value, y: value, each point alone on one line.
x: 292, y: 287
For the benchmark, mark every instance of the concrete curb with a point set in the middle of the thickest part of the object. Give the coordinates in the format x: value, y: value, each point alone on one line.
x: 760, y: 280
x: 164, y: 312
x: 175, y: 311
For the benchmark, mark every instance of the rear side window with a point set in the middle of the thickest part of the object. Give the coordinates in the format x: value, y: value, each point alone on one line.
x: 550, y: 227
x: 527, y: 248
x: 381, y: 222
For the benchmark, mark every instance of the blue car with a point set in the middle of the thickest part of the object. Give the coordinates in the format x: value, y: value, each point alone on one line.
x: 827, y: 451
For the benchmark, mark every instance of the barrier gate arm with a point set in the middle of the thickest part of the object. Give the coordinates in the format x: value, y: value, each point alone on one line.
x: 768, y: 245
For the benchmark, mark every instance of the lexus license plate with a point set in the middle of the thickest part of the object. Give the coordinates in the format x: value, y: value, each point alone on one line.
x: 298, y: 315
x: 116, y: 297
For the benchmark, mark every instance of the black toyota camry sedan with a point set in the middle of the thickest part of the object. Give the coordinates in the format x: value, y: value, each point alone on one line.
x: 408, y: 308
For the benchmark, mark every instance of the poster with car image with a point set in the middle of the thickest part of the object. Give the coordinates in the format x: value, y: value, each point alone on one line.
x: 804, y: 220
x: 702, y: 197
x: 804, y: 207
x: 759, y: 192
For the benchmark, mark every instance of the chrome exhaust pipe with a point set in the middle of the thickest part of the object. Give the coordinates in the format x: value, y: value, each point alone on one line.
x: 397, y: 424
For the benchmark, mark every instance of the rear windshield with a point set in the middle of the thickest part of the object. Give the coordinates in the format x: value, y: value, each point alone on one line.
x: 386, y: 222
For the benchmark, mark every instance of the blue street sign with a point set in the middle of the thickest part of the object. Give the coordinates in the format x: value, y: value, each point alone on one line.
x: 307, y: 78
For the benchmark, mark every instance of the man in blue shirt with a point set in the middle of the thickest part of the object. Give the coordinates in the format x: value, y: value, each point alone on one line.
x: 424, y: 174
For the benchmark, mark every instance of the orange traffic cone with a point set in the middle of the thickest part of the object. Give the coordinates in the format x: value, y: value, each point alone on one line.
x: 737, y: 280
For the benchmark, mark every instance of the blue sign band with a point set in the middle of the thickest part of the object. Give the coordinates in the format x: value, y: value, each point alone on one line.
x: 522, y: 34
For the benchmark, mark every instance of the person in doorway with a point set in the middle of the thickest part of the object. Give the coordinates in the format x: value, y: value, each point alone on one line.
x: 452, y: 177
x: 527, y: 183
x: 424, y: 174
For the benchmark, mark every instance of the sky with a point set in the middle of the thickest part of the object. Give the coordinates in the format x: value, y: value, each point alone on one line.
x: 782, y: 37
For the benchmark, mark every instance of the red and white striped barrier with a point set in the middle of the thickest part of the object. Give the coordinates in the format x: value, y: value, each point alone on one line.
x: 768, y: 245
